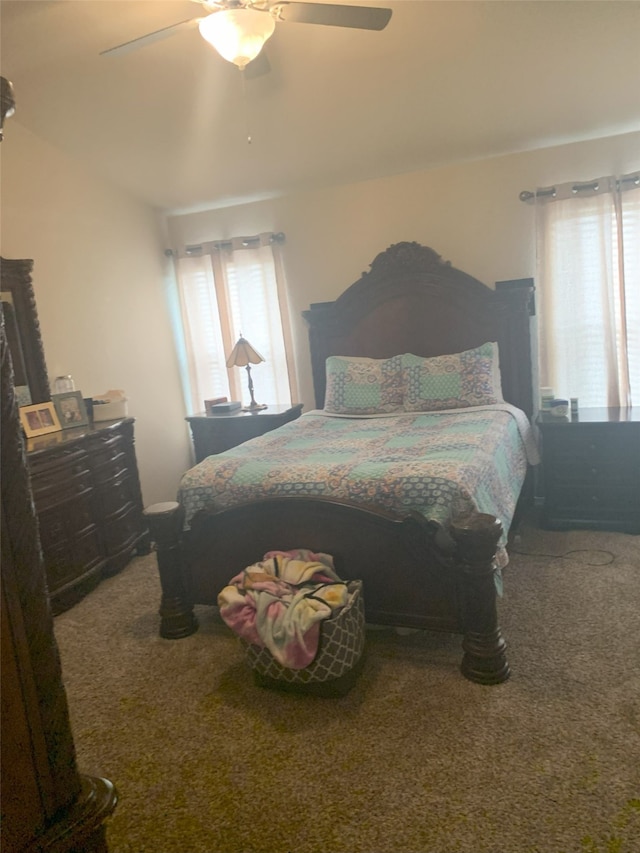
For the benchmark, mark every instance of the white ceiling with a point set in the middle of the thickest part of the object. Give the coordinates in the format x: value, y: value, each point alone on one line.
x: 445, y: 81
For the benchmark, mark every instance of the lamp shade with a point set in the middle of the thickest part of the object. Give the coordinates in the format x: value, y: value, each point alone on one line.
x: 243, y: 354
x: 237, y: 34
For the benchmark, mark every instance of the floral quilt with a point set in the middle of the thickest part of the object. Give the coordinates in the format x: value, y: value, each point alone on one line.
x: 442, y: 464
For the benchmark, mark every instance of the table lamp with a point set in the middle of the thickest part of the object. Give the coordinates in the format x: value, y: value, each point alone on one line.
x: 244, y: 355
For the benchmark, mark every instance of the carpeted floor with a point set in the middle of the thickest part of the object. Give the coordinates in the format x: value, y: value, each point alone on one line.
x: 415, y: 758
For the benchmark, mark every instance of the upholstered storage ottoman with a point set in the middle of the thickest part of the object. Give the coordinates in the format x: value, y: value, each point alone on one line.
x: 334, y: 670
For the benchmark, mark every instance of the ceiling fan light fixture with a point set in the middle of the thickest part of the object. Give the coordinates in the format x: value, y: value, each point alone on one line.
x: 237, y: 34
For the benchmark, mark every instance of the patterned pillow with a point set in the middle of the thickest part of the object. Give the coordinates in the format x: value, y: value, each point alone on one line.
x: 363, y: 386
x: 469, y: 378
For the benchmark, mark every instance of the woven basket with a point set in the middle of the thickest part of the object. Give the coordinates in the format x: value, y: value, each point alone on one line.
x: 340, y: 649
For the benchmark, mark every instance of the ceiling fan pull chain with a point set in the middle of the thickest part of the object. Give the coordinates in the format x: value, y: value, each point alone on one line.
x: 244, y: 106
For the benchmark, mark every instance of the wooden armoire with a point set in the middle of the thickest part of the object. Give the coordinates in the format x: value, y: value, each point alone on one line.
x: 47, y: 805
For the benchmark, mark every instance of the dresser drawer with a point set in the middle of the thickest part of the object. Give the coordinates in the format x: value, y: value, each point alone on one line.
x: 106, y: 449
x: 591, y: 469
x: 592, y: 473
x: 122, y: 530
x: 46, y: 463
x: 67, y: 469
x: 117, y: 494
x: 61, y: 569
x: 595, y: 498
x: 588, y: 454
x: 67, y: 513
x: 73, y: 486
x: 107, y: 471
x: 67, y: 563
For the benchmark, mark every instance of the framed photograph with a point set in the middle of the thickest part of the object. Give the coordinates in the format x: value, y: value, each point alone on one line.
x: 70, y: 409
x: 39, y: 419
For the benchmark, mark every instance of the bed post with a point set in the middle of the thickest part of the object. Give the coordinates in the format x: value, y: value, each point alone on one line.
x: 484, y: 660
x: 176, y: 613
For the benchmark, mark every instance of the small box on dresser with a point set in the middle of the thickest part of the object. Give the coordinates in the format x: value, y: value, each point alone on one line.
x: 591, y: 468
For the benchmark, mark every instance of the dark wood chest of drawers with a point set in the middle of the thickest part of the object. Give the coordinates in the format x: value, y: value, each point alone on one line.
x: 87, y: 496
x: 592, y: 470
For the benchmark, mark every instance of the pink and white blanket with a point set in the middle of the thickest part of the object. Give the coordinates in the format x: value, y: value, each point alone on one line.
x: 281, y: 601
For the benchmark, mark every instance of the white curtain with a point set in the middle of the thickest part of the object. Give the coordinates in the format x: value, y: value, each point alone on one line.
x: 588, y: 283
x: 228, y: 289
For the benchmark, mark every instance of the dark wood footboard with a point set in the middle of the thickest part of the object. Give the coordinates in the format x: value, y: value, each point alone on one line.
x: 415, y: 574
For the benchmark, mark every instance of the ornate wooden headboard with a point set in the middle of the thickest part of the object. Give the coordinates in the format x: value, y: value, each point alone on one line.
x: 412, y: 301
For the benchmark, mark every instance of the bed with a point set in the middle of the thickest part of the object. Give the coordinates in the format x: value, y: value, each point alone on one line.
x: 349, y: 479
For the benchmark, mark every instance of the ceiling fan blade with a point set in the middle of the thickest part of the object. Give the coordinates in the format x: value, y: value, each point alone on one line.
x: 332, y: 15
x: 143, y: 41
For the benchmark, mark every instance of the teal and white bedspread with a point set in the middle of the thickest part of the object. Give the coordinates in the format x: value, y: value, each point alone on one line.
x: 442, y: 464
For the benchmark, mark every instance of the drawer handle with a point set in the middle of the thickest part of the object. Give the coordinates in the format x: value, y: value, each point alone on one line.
x: 73, y: 452
x: 110, y: 439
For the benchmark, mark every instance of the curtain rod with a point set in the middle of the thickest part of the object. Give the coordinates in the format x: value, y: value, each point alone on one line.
x: 550, y: 192
x: 237, y: 243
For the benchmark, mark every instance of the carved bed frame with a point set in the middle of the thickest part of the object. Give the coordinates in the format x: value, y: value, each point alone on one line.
x: 415, y: 574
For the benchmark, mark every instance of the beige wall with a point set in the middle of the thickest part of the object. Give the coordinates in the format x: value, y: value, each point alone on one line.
x: 469, y: 213
x: 102, y: 283
x: 99, y: 286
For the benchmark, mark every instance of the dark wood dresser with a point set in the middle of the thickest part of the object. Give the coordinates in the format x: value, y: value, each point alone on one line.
x: 87, y: 496
x: 591, y: 468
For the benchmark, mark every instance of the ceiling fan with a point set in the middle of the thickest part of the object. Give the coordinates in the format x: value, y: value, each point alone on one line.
x: 238, y: 29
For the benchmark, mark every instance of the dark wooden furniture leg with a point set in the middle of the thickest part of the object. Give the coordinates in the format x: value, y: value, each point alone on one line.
x: 484, y: 659
x: 176, y: 612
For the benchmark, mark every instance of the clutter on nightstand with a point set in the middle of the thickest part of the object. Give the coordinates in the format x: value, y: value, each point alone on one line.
x: 559, y: 408
x: 224, y: 408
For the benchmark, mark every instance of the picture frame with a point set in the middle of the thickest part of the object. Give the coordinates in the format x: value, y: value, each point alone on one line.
x: 71, y: 409
x: 39, y: 419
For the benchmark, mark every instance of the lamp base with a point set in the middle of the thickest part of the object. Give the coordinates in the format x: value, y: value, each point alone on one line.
x: 254, y: 407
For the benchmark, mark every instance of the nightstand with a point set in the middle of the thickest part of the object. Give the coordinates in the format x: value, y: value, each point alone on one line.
x: 591, y: 469
x: 217, y: 433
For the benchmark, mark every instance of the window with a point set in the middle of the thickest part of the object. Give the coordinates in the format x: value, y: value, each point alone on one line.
x: 227, y: 289
x: 589, y: 288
